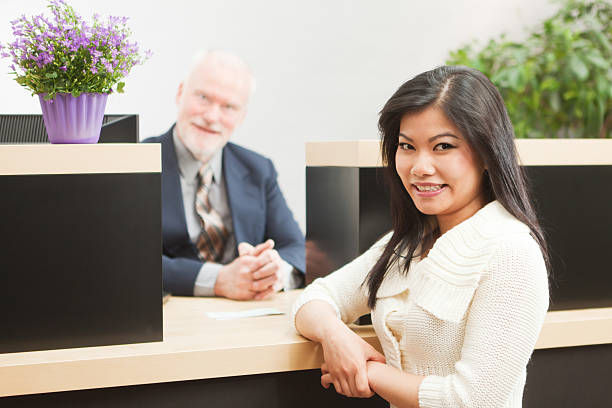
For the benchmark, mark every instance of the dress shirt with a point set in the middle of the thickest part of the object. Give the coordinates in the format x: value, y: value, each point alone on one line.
x: 217, y: 195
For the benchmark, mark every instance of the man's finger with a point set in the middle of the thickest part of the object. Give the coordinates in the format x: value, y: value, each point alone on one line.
x: 264, y: 294
x: 264, y: 246
x: 266, y: 257
x: 244, y: 248
x: 262, y: 272
x: 263, y: 284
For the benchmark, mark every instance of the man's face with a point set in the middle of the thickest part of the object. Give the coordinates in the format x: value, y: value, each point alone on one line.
x: 211, y: 103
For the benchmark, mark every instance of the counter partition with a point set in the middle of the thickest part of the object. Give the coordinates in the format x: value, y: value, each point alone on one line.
x: 347, y: 210
x: 80, y: 245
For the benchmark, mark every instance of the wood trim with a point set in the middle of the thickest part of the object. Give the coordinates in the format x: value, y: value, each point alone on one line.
x: 532, y: 152
x: 570, y: 328
x: 361, y: 153
x: 80, y: 159
x: 198, y: 347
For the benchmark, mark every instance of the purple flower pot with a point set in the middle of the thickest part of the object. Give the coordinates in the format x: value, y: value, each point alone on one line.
x: 73, y: 120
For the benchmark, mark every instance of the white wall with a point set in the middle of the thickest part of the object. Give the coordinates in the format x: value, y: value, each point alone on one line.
x: 324, y: 68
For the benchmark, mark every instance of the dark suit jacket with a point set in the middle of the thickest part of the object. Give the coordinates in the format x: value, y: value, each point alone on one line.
x: 259, y: 212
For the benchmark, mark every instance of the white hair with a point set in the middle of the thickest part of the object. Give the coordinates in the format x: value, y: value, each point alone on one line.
x: 227, y: 59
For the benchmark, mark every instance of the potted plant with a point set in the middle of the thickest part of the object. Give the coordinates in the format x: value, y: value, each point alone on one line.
x: 558, y: 81
x: 72, y: 66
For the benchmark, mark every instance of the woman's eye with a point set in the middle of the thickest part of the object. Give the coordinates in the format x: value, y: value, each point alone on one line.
x: 405, y: 146
x: 229, y: 107
x: 443, y: 146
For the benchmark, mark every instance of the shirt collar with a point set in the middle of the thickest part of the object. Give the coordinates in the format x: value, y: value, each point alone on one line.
x: 189, y: 165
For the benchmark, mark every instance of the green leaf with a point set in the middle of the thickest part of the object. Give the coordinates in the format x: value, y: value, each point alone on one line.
x: 549, y: 84
x: 557, y: 82
x: 50, y: 75
x: 514, y: 77
x: 555, y: 102
x: 604, y: 41
x: 596, y: 59
x: 76, y: 93
x: 120, y: 86
x: 578, y: 67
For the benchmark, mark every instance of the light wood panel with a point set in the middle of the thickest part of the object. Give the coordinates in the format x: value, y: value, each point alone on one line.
x: 194, y: 347
x: 568, y: 328
x: 532, y: 152
x: 80, y: 159
x: 197, y: 347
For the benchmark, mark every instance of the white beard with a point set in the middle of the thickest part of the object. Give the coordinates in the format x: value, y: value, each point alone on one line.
x: 201, y: 153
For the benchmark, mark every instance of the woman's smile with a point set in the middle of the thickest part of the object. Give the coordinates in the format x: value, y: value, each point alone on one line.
x: 429, y: 189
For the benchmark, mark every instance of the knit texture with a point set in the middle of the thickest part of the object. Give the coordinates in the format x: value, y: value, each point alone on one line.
x: 466, y: 317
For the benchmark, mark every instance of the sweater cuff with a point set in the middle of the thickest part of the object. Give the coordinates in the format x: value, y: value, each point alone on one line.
x: 429, y: 392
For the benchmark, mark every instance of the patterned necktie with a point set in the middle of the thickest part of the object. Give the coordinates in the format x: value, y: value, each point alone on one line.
x: 213, y: 234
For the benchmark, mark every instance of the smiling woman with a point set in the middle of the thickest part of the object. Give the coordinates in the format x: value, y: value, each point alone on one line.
x: 458, y: 290
x: 438, y: 168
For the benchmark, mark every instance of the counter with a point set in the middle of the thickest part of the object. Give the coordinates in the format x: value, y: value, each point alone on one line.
x: 196, y: 347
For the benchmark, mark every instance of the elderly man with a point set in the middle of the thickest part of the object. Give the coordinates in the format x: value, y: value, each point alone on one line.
x: 227, y: 230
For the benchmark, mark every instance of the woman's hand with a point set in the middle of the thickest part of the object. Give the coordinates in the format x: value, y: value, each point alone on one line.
x: 344, y: 352
x: 346, y: 355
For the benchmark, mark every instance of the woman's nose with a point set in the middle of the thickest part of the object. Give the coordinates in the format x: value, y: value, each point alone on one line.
x: 422, y: 166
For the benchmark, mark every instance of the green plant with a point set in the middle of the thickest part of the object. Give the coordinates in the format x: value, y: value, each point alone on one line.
x: 65, y: 54
x: 558, y: 82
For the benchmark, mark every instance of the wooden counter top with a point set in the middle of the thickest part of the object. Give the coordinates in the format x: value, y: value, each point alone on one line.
x: 197, y: 347
x: 97, y: 158
x: 194, y: 347
x: 532, y: 152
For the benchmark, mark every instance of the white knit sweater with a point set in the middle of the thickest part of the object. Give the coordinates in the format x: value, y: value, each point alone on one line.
x: 466, y: 317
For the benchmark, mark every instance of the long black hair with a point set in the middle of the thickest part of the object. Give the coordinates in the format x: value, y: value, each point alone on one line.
x: 473, y: 104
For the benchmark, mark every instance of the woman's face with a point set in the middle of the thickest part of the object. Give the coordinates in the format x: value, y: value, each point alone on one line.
x: 438, y: 168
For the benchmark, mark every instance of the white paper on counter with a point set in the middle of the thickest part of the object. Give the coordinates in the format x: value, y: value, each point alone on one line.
x: 266, y: 311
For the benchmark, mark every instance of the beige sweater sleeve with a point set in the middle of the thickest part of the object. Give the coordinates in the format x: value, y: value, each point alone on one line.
x: 343, y: 289
x: 503, y: 324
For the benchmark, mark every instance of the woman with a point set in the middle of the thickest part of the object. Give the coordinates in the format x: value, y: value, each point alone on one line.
x: 458, y: 291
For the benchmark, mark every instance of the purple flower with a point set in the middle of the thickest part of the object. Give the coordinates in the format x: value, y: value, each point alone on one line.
x: 71, y: 49
x: 58, y: 3
x: 106, y: 65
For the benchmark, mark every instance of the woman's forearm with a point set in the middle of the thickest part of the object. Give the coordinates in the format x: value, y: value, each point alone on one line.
x: 399, y: 388
x: 316, y: 319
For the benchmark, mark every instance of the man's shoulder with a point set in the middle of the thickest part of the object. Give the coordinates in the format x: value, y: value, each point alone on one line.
x: 158, y: 139
x: 246, y: 155
x: 152, y: 139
